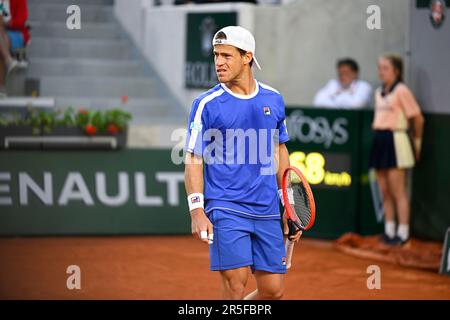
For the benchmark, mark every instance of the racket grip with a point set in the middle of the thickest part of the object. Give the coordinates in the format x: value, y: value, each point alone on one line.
x: 289, y: 246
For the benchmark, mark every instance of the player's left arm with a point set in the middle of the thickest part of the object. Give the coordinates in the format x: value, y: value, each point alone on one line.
x: 283, y: 158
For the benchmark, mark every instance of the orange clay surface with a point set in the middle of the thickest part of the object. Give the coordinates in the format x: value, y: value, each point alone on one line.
x: 177, y: 267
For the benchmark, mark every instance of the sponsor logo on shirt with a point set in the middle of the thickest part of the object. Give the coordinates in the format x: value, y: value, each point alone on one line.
x: 196, y: 126
x: 267, y: 111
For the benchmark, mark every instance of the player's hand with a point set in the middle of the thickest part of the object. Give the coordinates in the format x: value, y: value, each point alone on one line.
x: 201, y: 227
x: 297, y: 234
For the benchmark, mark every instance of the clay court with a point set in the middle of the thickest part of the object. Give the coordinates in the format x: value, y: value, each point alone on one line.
x: 176, y: 267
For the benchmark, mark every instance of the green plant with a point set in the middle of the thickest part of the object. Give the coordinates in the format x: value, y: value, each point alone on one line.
x: 68, y: 118
x: 17, y: 120
x: 42, y: 120
x: 117, y: 117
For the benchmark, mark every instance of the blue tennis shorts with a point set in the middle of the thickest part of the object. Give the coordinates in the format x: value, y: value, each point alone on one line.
x: 16, y: 39
x: 240, y: 242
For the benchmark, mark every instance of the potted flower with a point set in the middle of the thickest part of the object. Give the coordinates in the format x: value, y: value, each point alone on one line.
x: 70, y: 122
x: 104, y: 123
x: 89, y: 122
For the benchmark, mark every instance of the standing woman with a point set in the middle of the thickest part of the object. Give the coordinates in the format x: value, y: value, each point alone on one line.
x: 394, y: 150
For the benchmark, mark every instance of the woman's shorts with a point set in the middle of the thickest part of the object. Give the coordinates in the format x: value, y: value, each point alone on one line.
x: 16, y: 39
x: 391, y: 149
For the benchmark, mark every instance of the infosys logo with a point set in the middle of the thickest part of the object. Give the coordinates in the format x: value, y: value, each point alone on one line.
x: 317, y: 130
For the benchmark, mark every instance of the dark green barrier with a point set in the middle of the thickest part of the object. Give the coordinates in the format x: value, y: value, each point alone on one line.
x: 74, y: 201
x: 430, y: 202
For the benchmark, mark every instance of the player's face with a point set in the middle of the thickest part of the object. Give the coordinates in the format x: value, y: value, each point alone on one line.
x: 346, y: 75
x: 386, y: 71
x: 228, y: 61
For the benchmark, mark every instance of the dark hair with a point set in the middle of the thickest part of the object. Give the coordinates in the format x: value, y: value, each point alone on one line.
x: 243, y: 52
x: 397, y: 62
x: 222, y: 35
x: 348, y: 62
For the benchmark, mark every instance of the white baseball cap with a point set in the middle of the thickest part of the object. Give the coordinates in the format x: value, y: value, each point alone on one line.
x: 238, y: 37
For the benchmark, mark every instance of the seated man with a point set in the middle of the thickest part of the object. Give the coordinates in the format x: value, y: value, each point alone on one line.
x: 13, y: 35
x: 348, y: 91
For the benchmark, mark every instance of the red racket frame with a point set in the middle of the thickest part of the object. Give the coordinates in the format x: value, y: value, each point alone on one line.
x: 290, y: 211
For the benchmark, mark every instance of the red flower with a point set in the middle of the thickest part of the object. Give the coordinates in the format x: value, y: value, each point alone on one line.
x: 82, y: 111
x: 90, y: 129
x: 112, y: 128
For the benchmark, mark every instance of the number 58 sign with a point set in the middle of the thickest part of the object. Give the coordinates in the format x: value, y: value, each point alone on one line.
x: 314, y: 166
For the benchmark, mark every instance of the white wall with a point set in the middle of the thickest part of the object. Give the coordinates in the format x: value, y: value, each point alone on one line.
x: 430, y: 69
x: 132, y: 16
x: 297, y: 43
x: 164, y: 39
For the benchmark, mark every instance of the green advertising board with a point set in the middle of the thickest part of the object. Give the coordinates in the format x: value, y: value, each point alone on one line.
x: 326, y: 146
x: 323, y: 144
x: 201, y: 27
x: 92, y: 192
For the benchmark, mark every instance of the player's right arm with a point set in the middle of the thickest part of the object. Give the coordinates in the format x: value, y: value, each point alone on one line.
x: 193, y: 172
x: 194, y: 185
x: 193, y: 179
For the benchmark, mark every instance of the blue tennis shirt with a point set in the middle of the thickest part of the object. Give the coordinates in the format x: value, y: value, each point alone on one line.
x: 236, y: 135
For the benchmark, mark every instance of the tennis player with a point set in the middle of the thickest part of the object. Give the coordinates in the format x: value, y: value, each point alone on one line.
x: 231, y: 187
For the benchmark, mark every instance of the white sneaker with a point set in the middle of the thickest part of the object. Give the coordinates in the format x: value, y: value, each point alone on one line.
x: 22, y: 64
x: 12, y: 65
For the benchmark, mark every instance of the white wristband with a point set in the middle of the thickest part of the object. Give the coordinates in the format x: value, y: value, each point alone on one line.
x: 290, y: 193
x: 195, y: 201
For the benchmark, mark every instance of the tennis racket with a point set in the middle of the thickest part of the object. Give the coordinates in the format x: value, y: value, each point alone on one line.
x: 299, y: 205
